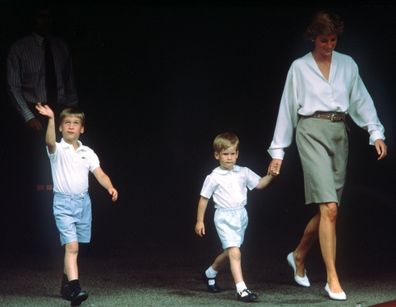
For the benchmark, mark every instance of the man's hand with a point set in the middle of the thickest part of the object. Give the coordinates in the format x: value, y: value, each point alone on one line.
x: 34, y: 124
x: 381, y: 148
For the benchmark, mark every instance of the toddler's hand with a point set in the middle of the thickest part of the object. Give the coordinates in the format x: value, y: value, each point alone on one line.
x: 200, y: 229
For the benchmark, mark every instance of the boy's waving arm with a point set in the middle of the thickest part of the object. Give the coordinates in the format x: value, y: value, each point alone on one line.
x: 50, y: 136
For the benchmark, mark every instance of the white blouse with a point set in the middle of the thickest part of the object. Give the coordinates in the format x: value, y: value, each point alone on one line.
x: 307, y: 91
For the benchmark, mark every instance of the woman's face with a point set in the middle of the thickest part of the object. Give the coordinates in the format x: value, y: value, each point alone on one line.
x: 325, y: 44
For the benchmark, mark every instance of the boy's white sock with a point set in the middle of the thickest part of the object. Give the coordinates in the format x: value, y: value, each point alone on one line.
x: 240, y: 286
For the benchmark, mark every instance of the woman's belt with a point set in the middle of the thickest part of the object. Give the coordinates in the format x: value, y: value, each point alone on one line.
x: 333, y: 116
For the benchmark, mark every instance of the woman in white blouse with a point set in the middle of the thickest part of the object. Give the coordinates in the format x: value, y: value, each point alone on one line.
x: 321, y: 88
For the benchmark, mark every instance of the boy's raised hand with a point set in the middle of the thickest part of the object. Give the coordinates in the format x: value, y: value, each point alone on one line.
x: 45, y: 110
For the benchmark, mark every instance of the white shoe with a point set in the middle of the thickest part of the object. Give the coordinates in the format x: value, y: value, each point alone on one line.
x: 339, y: 296
x: 302, y: 281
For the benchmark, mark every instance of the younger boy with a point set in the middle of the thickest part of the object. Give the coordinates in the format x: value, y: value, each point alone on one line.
x: 228, y: 185
x: 71, y: 162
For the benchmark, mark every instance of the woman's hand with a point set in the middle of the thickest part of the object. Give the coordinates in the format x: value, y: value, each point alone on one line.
x: 274, y: 167
x: 381, y: 148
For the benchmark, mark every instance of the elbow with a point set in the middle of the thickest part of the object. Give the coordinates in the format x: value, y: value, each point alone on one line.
x: 51, y: 148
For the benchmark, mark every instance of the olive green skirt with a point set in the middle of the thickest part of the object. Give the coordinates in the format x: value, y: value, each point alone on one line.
x: 323, y: 148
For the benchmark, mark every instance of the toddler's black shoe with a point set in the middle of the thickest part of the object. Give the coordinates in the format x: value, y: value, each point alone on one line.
x: 211, y: 288
x: 247, y: 296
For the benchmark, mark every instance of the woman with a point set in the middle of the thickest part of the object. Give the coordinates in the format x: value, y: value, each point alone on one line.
x: 321, y: 88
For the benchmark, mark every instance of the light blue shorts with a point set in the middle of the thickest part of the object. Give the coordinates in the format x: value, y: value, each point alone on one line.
x: 73, y: 217
x: 231, y: 226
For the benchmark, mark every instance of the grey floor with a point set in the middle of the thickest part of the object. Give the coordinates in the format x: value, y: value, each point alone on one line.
x: 152, y: 275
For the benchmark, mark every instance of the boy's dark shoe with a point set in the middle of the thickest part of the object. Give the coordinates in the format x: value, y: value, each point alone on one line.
x: 247, y: 296
x: 72, y: 292
x: 77, y: 297
x: 211, y: 288
x: 64, y: 287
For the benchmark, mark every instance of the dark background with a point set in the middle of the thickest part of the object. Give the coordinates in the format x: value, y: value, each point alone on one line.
x: 158, y: 81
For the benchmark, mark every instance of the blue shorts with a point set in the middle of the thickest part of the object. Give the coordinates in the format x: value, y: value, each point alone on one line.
x: 73, y: 217
x: 231, y: 225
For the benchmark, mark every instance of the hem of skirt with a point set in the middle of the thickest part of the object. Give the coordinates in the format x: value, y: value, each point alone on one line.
x: 308, y: 202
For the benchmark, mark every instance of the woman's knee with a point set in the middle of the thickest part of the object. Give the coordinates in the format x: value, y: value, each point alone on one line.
x: 329, y: 211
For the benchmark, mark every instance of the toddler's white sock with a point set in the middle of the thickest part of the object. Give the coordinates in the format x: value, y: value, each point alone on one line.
x: 240, y: 286
x: 210, y: 273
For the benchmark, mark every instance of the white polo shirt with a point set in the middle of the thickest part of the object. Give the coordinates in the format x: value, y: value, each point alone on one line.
x: 229, y: 187
x: 70, y: 168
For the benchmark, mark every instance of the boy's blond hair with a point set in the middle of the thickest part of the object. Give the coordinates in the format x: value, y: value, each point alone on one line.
x: 225, y: 140
x: 72, y: 112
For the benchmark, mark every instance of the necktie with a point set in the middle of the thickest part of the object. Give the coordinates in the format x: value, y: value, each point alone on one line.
x: 50, y: 75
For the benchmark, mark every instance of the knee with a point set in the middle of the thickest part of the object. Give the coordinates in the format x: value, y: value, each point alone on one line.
x: 329, y: 211
x: 71, y: 248
x: 234, y: 253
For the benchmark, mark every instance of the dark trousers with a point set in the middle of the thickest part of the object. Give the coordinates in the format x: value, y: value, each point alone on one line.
x: 29, y: 220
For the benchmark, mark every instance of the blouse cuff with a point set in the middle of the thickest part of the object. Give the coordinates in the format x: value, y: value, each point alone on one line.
x: 375, y: 135
x: 276, y: 153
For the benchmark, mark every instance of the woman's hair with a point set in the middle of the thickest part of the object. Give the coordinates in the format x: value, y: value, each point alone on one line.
x: 225, y: 140
x: 73, y: 112
x: 324, y: 23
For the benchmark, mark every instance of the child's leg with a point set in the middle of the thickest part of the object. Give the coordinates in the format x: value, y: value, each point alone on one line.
x: 220, y: 261
x: 234, y: 254
x: 70, y: 261
x: 243, y: 293
x: 209, y: 276
x: 72, y: 290
x: 217, y: 265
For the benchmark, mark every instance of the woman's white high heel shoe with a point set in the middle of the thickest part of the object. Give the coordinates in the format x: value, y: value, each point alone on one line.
x: 339, y: 296
x: 302, y: 281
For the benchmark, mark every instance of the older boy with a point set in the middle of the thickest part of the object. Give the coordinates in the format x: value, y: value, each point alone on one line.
x: 71, y: 162
x: 228, y: 185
